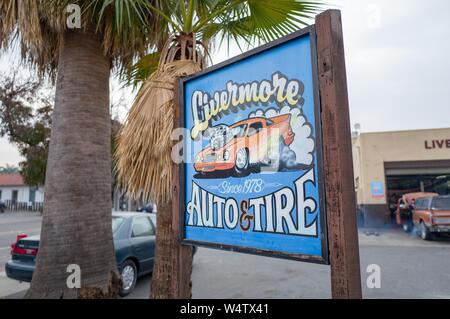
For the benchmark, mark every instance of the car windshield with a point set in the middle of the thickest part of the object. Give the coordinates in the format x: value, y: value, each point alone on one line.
x: 442, y: 203
x: 239, y: 131
x: 116, y: 222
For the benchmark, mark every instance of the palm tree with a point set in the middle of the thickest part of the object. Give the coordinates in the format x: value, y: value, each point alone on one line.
x: 76, y: 226
x: 144, y: 148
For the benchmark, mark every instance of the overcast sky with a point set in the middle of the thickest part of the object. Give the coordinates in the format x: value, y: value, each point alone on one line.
x: 397, y: 65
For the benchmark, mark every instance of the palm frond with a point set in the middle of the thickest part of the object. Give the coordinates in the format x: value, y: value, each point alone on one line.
x: 129, y: 28
x: 247, y: 22
x: 260, y: 20
x: 143, y: 155
x: 140, y: 71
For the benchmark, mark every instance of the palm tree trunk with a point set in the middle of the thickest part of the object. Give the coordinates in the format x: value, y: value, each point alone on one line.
x: 173, y: 265
x: 76, y: 225
x: 173, y: 262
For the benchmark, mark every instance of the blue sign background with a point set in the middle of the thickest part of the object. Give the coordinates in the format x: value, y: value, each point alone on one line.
x: 377, y: 189
x: 292, y: 59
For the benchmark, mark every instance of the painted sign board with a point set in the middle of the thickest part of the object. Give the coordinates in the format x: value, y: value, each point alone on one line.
x: 252, y: 180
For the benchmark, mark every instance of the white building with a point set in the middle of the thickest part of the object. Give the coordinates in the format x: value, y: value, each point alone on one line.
x: 14, y: 190
x: 19, y: 196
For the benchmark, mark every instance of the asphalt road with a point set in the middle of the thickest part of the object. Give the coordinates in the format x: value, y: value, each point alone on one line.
x: 410, y: 268
x: 406, y: 273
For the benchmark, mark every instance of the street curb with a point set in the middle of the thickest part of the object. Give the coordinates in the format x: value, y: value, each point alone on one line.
x: 17, y: 295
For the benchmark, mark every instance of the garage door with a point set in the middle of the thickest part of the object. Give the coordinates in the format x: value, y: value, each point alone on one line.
x: 412, y: 177
x: 417, y: 168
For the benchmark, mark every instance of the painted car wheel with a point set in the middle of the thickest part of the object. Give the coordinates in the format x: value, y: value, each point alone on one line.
x: 241, y: 163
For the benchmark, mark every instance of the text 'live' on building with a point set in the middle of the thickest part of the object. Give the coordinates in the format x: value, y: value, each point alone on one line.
x: 390, y: 164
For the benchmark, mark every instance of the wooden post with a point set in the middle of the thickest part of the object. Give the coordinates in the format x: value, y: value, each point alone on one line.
x: 182, y: 255
x: 173, y: 261
x: 337, y: 148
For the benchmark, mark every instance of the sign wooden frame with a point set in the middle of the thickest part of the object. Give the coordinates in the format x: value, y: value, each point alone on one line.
x: 338, y: 175
x: 310, y: 32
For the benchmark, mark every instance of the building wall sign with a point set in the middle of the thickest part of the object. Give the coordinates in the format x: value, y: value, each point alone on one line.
x: 377, y: 189
x: 437, y: 144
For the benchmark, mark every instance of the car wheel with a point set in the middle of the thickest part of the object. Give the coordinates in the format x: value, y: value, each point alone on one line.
x: 128, y: 273
x: 241, y: 164
x: 407, y: 227
x: 425, y: 233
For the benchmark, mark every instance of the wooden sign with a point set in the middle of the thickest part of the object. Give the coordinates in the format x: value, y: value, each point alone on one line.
x: 268, y: 162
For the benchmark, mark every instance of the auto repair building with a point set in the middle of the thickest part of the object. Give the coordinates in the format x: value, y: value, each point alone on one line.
x: 390, y: 164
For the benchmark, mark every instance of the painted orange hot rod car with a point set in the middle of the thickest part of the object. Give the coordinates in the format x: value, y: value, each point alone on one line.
x: 244, y: 145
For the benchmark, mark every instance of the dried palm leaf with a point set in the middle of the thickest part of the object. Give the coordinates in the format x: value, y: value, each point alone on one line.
x: 144, y: 163
x: 129, y: 28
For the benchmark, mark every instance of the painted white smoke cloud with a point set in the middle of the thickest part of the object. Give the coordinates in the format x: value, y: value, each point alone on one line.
x: 303, y: 145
